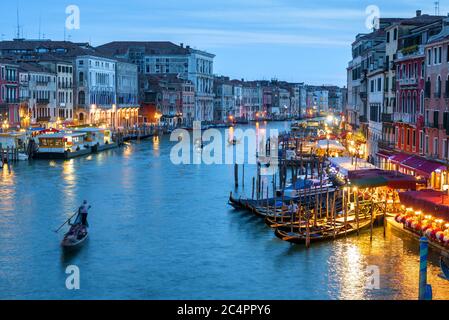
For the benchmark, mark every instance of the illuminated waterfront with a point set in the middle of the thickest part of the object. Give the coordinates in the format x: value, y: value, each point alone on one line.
x: 165, y: 231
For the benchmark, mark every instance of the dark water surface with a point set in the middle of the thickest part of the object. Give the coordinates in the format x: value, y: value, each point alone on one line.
x: 164, y: 231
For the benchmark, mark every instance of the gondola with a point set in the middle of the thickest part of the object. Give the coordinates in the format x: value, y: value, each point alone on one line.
x: 321, y: 234
x: 444, y: 268
x: 76, y: 236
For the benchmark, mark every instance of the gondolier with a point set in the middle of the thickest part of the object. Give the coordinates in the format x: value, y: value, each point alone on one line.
x: 83, y: 212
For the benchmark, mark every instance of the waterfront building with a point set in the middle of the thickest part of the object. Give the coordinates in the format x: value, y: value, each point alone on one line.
x: 96, y: 88
x: 9, y: 93
x: 40, y: 91
x: 158, y: 58
x: 94, y: 74
x: 252, y: 99
x: 126, y: 108
x: 173, y: 98
x: 224, y: 101
x: 64, y: 89
x: 375, y: 106
x: 267, y: 100
x: 398, y: 30
x: 237, y: 90
x: 336, y: 98
x: 317, y: 99
x: 435, y: 135
x: 356, y: 109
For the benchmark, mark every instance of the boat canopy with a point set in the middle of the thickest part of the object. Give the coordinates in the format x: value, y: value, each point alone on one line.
x: 373, y: 178
x: 431, y: 202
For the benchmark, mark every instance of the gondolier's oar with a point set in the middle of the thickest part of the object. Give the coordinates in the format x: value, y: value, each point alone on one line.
x: 66, y: 222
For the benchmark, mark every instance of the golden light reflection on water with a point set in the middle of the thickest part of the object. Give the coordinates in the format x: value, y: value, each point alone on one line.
x: 397, y: 258
x: 156, y: 145
x: 127, y: 151
x: 7, y: 190
x: 69, y: 177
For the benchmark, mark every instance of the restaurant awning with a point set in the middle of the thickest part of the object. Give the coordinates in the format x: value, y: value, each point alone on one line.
x: 384, y: 154
x: 399, y: 157
x: 374, y: 178
x: 431, y: 202
x: 422, y: 166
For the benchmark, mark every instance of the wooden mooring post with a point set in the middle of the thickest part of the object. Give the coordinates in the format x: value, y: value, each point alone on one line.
x: 236, y: 175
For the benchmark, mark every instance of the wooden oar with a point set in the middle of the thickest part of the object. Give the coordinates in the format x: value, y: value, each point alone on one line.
x: 56, y: 231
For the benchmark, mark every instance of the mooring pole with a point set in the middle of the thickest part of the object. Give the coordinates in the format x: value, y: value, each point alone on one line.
x: 236, y: 175
x: 252, y: 190
x: 243, y: 175
x: 425, y: 290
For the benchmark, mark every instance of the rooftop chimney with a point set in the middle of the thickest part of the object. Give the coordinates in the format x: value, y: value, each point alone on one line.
x: 418, y: 13
x: 182, y: 45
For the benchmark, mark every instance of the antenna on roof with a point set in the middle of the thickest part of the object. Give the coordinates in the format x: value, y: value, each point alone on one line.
x: 18, y: 25
x: 437, y: 7
x: 39, y: 32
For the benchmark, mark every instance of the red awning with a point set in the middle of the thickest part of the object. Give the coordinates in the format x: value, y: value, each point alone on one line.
x: 418, y: 164
x: 431, y: 202
x: 385, y: 154
x: 399, y: 157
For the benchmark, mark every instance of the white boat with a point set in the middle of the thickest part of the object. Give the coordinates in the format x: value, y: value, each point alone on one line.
x: 98, y: 139
x: 62, y: 145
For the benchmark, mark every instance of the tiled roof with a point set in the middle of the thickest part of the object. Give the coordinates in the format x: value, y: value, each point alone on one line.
x: 40, y: 47
x: 149, y: 47
x: 33, y: 67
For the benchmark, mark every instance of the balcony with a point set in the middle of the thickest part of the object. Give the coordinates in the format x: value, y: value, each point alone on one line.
x: 42, y: 101
x: 11, y: 100
x: 43, y: 119
x: 414, y: 50
x: 383, y: 144
x: 387, y: 117
x: 408, y: 82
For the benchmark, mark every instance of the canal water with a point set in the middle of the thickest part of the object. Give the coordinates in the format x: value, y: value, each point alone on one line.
x: 165, y: 231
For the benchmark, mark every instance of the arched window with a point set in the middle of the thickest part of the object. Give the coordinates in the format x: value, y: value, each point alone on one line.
x: 438, y: 87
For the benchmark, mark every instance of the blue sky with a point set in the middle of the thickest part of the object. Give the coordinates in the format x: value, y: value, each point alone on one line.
x: 292, y: 40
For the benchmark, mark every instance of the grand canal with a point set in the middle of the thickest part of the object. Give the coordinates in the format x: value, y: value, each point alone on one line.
x: 164, y: 231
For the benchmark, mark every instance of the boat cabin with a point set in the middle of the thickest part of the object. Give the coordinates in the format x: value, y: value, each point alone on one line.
x: 95, y: 136
x: 61, y: 142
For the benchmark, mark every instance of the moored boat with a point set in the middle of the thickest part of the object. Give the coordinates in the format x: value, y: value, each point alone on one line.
x: 62, y: 145
x: 328, y: 232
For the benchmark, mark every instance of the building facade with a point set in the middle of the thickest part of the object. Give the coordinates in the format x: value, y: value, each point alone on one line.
x: 9, y: 93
